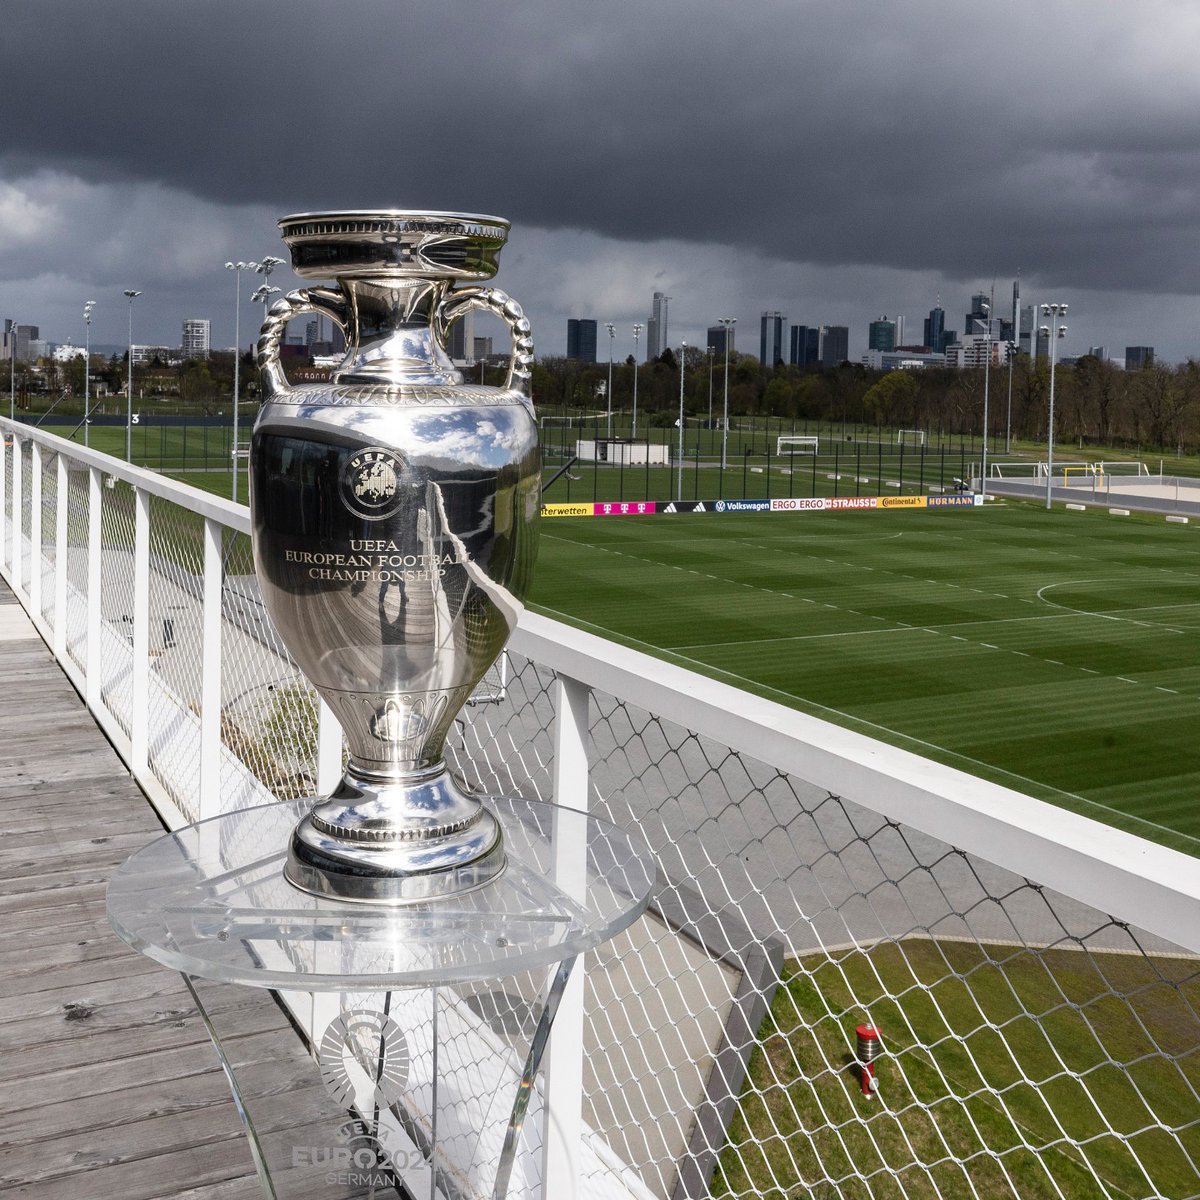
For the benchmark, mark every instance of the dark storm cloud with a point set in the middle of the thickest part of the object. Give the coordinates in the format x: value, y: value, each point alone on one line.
x: 908, y: 135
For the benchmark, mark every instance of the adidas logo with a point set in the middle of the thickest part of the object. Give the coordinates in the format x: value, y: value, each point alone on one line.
x: 670, y: 508
x: 700, y: 507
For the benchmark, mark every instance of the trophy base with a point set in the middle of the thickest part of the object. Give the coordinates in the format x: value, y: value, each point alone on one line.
x: 389, y: 841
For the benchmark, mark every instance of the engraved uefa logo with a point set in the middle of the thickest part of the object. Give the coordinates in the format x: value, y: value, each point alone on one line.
x: 371, y: 483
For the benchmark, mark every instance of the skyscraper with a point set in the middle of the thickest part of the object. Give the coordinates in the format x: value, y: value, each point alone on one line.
x: 581, y: 340
x: 881, y: 334
x: 835, y: 345
x: 770, y: 338
x: 1137, y: 357
x: 459, y: 341
x: 805, y: 346
x: 1028, y: 322
x: 720, y: 336
x: 194, y: 342
x: 935, y: 330
x: 976, y: 320
x: 657, y: 333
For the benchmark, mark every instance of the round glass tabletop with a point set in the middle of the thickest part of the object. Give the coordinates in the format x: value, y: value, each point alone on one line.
x: 211, y: 900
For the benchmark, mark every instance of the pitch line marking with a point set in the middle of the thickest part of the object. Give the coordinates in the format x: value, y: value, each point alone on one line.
x: 800, y: 704
x: 1084, y: 612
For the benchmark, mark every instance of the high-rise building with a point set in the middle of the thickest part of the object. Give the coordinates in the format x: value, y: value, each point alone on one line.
x: 720, y: 336
x: 21, y: 340
x: 194, y: 342
x: 1137, y: 357
x: 881, y: 334
x: 935, y: 330
x: 804, y: 349
x: 581, y: 340
x: 657, y: 333
x: 483, y: 348
x: 1100, y: 352
x: 835, y: 345
x: 979, y: 315
x: 460, y: 340
x: 770, y: 338
x: 1028, y: 323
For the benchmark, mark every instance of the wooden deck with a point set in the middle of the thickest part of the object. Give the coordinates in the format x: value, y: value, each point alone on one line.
x: 109, y: 1085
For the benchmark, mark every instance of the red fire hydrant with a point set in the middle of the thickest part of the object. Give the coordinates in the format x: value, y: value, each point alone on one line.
x: 869, y: 1049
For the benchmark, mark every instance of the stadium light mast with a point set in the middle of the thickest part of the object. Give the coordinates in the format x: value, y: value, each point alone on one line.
x: 709, y: 351
x: 679, y: 469
x: 131, y: 295
x: 87, y: 367
x: 637, y: 333
x: 237, y: 268
x: 1053, y: 332
x: 729, y: 323
x: 612, y: 332
x: 987, y: 366
x: 12, y: 368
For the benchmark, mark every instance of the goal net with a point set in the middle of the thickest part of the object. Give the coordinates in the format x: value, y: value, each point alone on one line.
x: 910, y: 437
x: 797, y: 445
x: 1123, y: 468
x: 1017, y: 470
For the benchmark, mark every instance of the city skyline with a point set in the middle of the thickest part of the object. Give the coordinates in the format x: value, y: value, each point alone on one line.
x: 1052, y: 157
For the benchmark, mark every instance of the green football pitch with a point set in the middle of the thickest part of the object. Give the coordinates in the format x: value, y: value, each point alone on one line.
x: 1056, y: 653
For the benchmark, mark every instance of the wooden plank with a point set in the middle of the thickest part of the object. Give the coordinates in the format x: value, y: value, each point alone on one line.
x: 109, y: 1086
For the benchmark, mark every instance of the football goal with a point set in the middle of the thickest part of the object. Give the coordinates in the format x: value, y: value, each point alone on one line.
x: 1123, y: 468
x: 910, y: 437
x: 798, y: 445
x: 1017, y: 470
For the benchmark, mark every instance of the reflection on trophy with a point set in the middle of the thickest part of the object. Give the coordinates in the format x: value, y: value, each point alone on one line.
x: 395, y: 527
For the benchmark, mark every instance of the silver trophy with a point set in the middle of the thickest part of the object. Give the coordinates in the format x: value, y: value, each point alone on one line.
x: 395, y: 514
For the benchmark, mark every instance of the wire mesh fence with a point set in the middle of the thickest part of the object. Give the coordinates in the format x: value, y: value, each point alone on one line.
x: 1032, y: 1046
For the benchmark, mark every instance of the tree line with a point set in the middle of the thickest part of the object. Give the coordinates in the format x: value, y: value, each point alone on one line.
x: 1095, y: 402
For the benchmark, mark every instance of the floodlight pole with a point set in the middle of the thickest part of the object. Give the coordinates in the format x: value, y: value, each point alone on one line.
x: 1012, y: 348
x: 679, y: 470
x: 1053, y: 332
x: 729, y: 323
x: 612, y: 332
x: 237, y: 268
x: 709, y: 352
x: 131, y: 295
x: 637, y: 333
x: 987, y: 366
x: 12, y: 369
x: 87, y: 368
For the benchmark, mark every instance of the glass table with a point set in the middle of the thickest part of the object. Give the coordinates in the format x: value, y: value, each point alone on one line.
x: 427, y: 1021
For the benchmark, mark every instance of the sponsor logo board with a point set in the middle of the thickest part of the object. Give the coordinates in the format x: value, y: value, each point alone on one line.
x: 625, y: 508
x: 567, y: 510
x: 901, y: 501
x: 810, y: 504
x: 950, y: 501
x: 734, y: 506
x: 852, y: 502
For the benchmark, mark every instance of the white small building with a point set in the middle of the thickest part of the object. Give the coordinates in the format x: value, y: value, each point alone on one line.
x: 974, y: 349
x: 68, y: 353
x: 901, y: 360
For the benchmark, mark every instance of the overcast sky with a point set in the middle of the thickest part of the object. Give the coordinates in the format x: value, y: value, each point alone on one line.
x: 835, y: 160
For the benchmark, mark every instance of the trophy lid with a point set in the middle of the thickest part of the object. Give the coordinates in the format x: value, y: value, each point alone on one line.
x: 390, y: 243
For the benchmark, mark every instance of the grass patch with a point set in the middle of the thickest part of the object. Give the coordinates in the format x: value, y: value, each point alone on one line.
x: 1006, y: 1072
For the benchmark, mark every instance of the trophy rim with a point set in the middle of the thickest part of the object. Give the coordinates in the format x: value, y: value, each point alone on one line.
x: 393, y: 214
x: 393, y: 243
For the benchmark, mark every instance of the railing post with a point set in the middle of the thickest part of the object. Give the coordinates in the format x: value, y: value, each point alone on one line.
x: 210, y: 673
x: 4, y: 519
x: 17, y: 515
x: 140, y: 714
x: 329, y: 749
x: 93, y: 665
x: 563, y: 1132
x: 34, y: 587
x: 61, y: 498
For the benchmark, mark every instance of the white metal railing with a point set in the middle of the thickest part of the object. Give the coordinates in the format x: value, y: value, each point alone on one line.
x: 1032, y: 972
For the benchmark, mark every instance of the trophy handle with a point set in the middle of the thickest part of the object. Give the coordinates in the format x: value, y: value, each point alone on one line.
x: 457, y: 303
x: 327, y: 302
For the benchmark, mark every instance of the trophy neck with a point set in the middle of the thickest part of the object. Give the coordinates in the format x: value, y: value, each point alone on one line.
x: 392, y: 333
